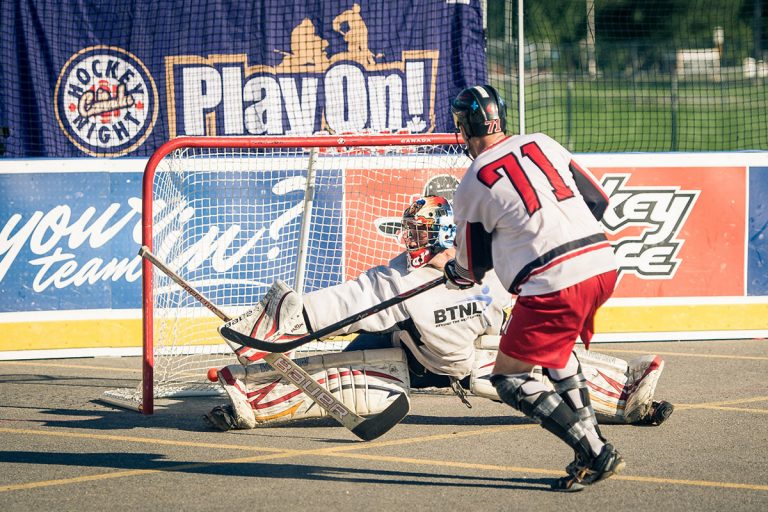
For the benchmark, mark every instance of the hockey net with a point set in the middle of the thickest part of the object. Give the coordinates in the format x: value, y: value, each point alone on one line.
x: 231, y: 215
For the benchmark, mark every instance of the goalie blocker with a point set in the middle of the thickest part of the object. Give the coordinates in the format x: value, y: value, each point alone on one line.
x: 620, y: 391
x: 278, y: 317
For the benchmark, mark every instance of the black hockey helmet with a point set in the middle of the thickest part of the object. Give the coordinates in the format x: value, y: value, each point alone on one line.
x: 480, y: 111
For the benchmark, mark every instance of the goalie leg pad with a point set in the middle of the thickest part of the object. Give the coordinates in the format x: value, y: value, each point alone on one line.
x: 643, y: 376
x: 621, y: 391
x: 480, y: 376
x: 240, y: 415
x: 482, y: 369
x: 279, y: 315
x: 366, y: 381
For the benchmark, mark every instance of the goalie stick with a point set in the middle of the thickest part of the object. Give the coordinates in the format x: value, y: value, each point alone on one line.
x: 366, y: 429
x: 287, y: 346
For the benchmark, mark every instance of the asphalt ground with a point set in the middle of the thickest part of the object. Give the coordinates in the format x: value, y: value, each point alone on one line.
x: 62, y: 449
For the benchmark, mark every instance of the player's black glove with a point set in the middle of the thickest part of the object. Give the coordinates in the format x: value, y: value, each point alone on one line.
x: 455, y: 281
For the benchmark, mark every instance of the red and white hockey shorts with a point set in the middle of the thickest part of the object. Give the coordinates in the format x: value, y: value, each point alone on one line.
x: 544, y: 328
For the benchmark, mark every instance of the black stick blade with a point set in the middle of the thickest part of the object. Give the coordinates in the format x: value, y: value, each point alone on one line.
x: 267, y: 346
x: 375, y: 426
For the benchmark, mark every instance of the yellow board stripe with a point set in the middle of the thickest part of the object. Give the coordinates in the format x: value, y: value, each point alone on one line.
x: 64, y: 334
x: 118, y: 333
x: 707, y: 317
x: 67, y: 334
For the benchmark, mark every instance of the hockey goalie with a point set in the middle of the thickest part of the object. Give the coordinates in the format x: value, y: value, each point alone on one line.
x: 443, y: 338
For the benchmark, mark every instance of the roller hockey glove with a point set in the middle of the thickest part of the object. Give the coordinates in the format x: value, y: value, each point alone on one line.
x: 454, y: 280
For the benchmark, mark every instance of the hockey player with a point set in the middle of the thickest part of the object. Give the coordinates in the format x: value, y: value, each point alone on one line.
x: 441, y: 338
x: 526, y: 209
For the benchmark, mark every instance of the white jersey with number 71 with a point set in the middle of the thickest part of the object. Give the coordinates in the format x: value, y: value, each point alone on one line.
x: 527, y: 209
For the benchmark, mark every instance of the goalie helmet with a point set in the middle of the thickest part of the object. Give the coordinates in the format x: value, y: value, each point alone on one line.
x: 479, y: 111
x: 428, y: 229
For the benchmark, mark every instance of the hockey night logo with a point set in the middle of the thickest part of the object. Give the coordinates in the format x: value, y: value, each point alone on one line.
x: 308, y: 91
x: 106, y: 101
x: 648, y: 221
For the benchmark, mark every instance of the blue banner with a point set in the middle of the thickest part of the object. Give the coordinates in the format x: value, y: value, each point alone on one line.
x: 757, y: 241
x: 69, y: 241
x: 88, y: 78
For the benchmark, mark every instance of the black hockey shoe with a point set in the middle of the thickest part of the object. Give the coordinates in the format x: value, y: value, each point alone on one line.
x: 221, y: 417
x: 658, y: 414
x: 575, y: 464
x: 605, y: 465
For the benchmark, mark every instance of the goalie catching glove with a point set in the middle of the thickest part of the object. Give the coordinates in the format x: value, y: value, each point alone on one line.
x: 279, y: 316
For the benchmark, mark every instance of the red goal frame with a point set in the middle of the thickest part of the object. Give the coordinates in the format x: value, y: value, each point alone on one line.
x: 324, y: 141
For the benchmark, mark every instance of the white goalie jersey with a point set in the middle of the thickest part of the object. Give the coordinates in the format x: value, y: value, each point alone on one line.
x: 439, y: 326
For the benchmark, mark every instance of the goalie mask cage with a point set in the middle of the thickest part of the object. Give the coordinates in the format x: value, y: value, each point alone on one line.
x: 231, y: 215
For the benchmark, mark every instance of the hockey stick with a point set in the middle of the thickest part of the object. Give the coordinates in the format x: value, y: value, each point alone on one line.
x: 240, y: 338
x: 365, y: 428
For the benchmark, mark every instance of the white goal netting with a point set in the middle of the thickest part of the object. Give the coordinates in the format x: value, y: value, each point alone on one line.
x: 231, y: 216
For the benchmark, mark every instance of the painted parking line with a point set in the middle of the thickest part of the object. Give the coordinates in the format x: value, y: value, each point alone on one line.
x: 727, y: 405
x: 137, y: 439
x: 275, y: 453
x: 140, y: 472
x: 340, y: 451
x: 681, y: 354
x: 540, y: 471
